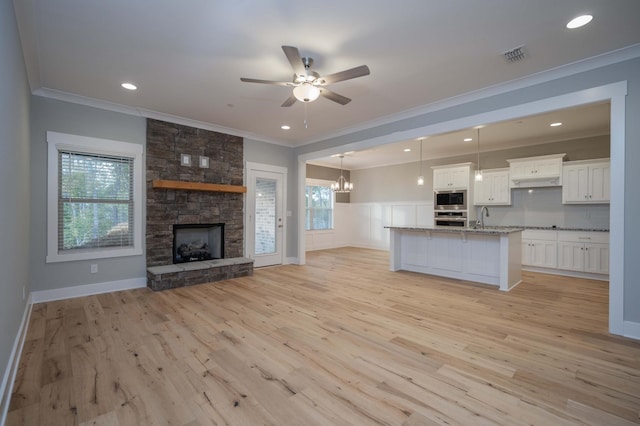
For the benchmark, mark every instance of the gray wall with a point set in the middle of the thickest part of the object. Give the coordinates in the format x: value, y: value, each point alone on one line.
x: 65, y: 117
x: 281, y: 156
x: 14, y: 183
x: 398, y: 182
x: 628, y: 71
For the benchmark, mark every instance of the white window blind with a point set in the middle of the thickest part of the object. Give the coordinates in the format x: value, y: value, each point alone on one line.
x: 95, y: 201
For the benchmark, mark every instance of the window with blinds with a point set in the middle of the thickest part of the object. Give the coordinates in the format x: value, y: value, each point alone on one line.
x: 95, y: 201
x: 319, y: 207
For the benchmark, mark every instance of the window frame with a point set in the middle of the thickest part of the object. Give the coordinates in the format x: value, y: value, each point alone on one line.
x: 327, y: 184
x: 93, y: 146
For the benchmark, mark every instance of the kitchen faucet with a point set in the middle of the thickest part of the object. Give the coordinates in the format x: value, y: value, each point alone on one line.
x: 482, y: 210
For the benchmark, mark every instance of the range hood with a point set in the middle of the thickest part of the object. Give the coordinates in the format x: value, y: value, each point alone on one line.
x: 535, y: 172
x: 536, y: 182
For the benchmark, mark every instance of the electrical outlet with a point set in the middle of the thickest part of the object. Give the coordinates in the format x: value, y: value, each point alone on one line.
x: 94, y: 268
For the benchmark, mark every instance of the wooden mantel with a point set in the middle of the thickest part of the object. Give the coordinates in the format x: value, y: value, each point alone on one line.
x: 197, y: 186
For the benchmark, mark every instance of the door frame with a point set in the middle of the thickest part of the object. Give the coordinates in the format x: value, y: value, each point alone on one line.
x: 249, y: 225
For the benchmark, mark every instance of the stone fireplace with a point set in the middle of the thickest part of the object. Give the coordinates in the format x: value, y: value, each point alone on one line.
x: 167, y: 146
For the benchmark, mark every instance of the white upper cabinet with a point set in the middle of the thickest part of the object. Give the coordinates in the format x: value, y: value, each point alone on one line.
x: 545, y: 170
x: 586, y: 182
x: 455, y: 176
x: 493, y: 189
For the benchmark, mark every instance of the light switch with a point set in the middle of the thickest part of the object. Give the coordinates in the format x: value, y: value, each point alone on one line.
x: 185, y: 160
x: 204, y: 162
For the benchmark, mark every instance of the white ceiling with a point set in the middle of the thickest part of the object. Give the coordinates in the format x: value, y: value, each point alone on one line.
x: 580, y: 122
x: 187, y: 56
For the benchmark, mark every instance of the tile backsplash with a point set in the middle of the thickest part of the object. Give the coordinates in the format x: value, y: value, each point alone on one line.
x: 543, y: 207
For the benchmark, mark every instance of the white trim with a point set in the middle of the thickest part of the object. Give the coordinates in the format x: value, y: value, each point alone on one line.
x: 291, y: 261
x: 6, y: 387
x: 249, y: 169
x: 60, y: 141
x: 319, y: 182
x: 608, y: 58
x: 588, y: 64
x: 565, y: 273
x: 87, y: 290
x: 146, y: 113
x: 631, y: 330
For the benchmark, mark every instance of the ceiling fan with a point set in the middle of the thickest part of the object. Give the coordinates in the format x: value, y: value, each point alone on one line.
x: 308, y: 85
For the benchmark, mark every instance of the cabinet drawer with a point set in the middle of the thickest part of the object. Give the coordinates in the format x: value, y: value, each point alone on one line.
x: 583, y: 237
x: 536, y: 234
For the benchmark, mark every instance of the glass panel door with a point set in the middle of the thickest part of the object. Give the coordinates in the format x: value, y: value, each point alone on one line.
x: 265, y: 220
x: 266, y: 216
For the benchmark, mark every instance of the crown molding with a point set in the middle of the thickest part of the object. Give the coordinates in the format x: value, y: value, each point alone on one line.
x: 599, y: 61
x: 141, y: 112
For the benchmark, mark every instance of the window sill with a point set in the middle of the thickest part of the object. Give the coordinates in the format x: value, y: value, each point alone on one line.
x: 90, y: 254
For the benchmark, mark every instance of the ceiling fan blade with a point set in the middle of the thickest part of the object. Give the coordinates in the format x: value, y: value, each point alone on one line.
x: 356, y: 72
x: 290, y: 101
x: 293, y: 55
x: 333, y: 96
x: 254, y: 80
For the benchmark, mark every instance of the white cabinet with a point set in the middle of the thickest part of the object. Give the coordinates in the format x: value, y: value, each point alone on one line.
x: 583, y: 251
x: 545, y: 170
x: 585, y: 182
x: 539, y: 248
x: 493, y: 189
x: 456, y: 176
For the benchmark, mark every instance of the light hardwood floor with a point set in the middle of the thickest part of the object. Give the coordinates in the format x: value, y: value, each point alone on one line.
x: 341, y: 341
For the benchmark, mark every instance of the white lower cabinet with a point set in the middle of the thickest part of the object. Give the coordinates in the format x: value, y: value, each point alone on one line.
x: 584, y: 251
x: 567, y: 250
x: 539, y: 248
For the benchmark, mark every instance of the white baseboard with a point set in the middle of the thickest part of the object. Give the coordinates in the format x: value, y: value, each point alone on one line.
x: 631, y: 330
x: 87, y: 290
x: 6, y: 387
x: 291, y: 261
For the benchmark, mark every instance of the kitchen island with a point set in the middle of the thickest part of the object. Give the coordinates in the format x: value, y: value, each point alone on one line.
x: 485, y: 255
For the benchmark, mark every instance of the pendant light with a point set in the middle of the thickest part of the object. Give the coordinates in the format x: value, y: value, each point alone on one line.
x: 341, y: 185
x: 421, y: 176
x: 479, y: 171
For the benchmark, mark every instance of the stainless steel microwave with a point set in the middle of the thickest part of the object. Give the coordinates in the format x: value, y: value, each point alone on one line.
x: 450, y: 200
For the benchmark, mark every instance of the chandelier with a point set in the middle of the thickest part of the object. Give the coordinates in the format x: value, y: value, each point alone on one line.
x: 341, y: 185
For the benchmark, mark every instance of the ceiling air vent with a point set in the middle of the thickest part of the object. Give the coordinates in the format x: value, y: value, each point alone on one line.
x: 515, y: 55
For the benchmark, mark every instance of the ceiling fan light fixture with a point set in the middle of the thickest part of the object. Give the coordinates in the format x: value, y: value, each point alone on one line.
x: 306, y: 92
x: 579, y: 21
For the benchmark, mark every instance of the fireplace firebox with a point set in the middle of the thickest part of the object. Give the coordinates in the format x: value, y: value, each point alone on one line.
x: 197, y: 242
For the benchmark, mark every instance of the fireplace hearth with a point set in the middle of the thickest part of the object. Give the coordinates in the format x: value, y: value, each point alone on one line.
x: 198, y: 242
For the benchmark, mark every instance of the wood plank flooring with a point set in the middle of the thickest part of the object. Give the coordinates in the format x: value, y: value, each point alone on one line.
x: 339, y: 341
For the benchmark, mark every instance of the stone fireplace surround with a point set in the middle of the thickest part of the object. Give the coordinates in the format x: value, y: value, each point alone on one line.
x: 166, y: 142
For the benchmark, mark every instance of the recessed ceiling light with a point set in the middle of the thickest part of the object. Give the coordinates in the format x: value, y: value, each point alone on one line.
x: 129, y: 86
x: 579, y: 21
x: 555, y: 124
x: 285, y: 127
x: 467, y: 139
x: 407, y: 150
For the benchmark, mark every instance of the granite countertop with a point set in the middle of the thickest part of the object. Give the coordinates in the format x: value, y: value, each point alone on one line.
x: 552, y: 228
x: 488, y: 230
x: 495, y: 230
